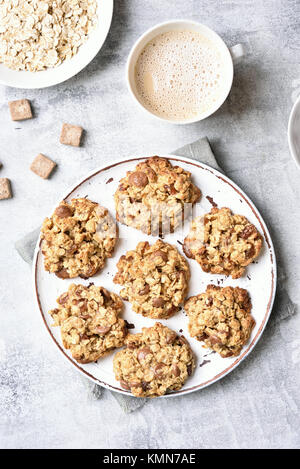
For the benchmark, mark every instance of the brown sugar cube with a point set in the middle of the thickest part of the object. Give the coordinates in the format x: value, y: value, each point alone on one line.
x: 42, y: 166
x: 20, y: 110
x: 71, y: 135
x: 5, y: 189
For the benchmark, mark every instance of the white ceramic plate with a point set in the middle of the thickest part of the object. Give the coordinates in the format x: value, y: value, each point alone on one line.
x: 294, y: 132
x: 69, y: 68
x: 260, y: 279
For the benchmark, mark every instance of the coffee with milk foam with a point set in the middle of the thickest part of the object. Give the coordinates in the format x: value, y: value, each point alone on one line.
x: 179, y: 75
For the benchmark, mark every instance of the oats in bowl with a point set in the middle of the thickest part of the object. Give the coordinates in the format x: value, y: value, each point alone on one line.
x: 36, y: 35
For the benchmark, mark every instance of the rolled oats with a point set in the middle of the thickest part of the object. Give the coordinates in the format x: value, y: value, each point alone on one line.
x: 36, y: 35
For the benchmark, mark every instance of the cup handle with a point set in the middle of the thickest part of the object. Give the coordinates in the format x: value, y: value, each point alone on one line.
x: 237, y: 52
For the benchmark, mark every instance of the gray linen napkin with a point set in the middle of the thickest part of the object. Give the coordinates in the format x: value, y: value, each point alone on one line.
x: 199, y: 150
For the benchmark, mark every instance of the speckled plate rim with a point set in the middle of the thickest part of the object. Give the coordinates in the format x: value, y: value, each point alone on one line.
x: 266, y: 236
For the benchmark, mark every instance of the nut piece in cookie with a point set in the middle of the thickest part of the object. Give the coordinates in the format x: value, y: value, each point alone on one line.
x: 155, y: 279
x: 221, y: 318
x: 155, y: 197
x: 154, y: 362
x: 77, y: 239
x: 89, y: 322
x: 222, y: 242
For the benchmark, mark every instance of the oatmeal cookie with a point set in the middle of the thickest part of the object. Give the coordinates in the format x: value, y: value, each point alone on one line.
x: 155, y: 197
x: 89, y: 321
x: 223, y: 243
x: 154, y: 362
x: 77, y: 239
x: 221, y: 317
x: 155, y: 279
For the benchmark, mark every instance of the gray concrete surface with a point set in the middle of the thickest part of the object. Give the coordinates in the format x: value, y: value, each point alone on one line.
x: 43, y: 401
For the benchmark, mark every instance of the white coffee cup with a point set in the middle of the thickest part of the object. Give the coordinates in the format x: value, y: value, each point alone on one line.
x: 229, y: 56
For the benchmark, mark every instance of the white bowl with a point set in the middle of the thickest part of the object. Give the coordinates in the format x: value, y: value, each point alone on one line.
x: 69, y: 68
x: 294, y: 132
x: 175, y: 26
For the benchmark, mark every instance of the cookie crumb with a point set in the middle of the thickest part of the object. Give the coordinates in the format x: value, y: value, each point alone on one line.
x: 71, y: 135
x: 20, y: 110
x: 210, y: 353
x: 5, y: 189
x: 109, y: 180
x: 204, y: 363
x: 42, y: 166
x: 129, y: 325
x: 211, y: 201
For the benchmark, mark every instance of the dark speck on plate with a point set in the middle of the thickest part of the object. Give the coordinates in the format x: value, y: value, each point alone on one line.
x: 204, y: 363
x: 129, y: 325
x: 211, y: 200
x: 210, y: 353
